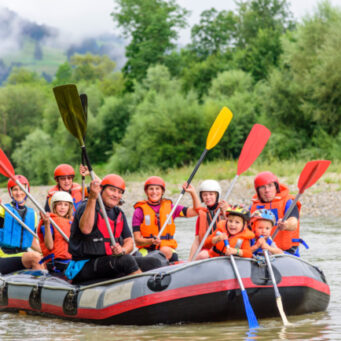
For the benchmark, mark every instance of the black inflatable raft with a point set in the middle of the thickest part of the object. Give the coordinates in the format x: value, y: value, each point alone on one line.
x: 187, y: 292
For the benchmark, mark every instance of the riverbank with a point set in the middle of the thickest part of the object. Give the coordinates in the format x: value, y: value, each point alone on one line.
x: 322, y: 199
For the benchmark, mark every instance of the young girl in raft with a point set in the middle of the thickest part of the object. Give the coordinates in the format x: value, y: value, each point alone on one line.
x: 150, y: 215
x: 235, y: 230
x: 53, y: 245
x: 262, y: 222
x: 210, y: 195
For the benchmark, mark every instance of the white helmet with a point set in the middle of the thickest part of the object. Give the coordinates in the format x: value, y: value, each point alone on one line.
x: 61, y: 196
x: 210, y: 186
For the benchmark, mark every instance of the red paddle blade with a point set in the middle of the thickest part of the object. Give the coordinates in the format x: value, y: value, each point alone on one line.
x: 253, y: 146
x: 311, y: 172
x: 6, y: 167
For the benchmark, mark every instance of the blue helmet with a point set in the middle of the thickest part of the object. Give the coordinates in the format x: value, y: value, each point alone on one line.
x: 263, y: 214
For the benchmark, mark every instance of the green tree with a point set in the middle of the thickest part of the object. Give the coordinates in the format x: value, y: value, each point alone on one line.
x: 24, y: 76
x: 151, y: 27
x: 63, y: 74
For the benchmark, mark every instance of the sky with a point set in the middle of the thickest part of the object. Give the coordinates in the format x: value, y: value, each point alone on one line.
x: 84, y: 18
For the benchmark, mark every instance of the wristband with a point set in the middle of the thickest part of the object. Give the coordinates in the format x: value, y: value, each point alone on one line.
x: 237, y: 251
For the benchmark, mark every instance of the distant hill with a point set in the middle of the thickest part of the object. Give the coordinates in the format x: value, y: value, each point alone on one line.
x: 38, y: 47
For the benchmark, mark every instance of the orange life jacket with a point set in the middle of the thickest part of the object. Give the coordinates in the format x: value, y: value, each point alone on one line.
x: 240, y: 240
x: 283, y: 239
x: 60, y: 246
x: 204, y: 220
x: 151, y: 225
x: 75, y: 192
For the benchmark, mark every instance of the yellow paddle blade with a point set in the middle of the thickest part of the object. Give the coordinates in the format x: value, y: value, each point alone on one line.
x: 218, y: 128
x: 71, y: 110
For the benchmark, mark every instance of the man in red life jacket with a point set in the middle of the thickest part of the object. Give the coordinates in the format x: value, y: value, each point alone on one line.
x: 274, y: 196
x: 93, y: 256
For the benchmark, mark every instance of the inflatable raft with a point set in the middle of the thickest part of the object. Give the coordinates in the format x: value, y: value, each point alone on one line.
x: 188, y: 292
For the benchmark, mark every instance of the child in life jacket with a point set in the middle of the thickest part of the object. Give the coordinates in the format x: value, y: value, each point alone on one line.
x: 262, y: 222
x: 53, y: 244
x: 235, y: 230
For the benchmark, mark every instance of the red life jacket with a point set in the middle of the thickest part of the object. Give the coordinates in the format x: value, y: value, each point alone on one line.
x: 116, y: 228
x: 60, y: 245
x: 151, y: 225
x: 277, y: 206
x: 204, y: 220
x: 75, y: 192
x: 240, y: 240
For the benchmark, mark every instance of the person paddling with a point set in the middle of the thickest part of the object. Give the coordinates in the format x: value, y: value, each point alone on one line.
x: 93, y: 256
x: 14, y: 239
x: 150, y: 215
x: 64, y: 175
x: 262, y: 222
x: 210, y: 194
x: 272, y: 195
x: 52, y: 243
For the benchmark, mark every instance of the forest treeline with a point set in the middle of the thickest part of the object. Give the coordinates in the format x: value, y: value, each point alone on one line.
x: 156, y: 112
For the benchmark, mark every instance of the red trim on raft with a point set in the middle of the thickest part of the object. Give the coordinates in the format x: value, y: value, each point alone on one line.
x: 169, y: 295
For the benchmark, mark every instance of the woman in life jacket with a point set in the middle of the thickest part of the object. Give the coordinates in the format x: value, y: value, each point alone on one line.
x: 64, y: 174
x: 235, y: 230
x: 150, y: 215
x: 210, y: 194
x: 272, y: 195
x: 262, y: 222
x: 52, y: 243
x: 15, y: 240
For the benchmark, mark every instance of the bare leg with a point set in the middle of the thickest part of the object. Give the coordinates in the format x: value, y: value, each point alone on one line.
x: 202, y: 255
x: 167, y: 251
x: 31, y: 260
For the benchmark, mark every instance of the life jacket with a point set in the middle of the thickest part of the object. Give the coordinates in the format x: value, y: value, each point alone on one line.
x: 97, y: 243
x: 204, y: 220
x: 284, y: 239
x: 240, y: 240
x: 75, y: 192
x: 13, y: 235
x: 151, y: 225
x: 60, y: 246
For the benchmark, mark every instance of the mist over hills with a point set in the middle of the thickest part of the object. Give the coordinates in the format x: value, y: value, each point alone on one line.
x: 43, y: 48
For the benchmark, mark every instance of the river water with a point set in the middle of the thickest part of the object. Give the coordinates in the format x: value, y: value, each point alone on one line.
x: 324, y: 239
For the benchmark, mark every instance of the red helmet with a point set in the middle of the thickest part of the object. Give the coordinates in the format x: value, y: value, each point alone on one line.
x: 265, y: 178
x: 156, y: 181
x: 21, y: 179
x: 63, y: 170
x: 113, y: 180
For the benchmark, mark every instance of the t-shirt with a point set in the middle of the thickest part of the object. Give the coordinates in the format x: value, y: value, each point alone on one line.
x: 138, y: 216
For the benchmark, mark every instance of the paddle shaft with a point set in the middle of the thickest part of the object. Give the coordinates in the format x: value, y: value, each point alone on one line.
x: 215, y: 218
x: 84, y: 100
x: 83, y: 180
x: 41, y: 209
x: 100, y: 200
x: 277, y: 294
x: 19, y: 221
x: 183, y: 191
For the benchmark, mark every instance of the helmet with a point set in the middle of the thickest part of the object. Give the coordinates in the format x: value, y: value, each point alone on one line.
x: 239, y: 210
x: 156, y: 181
x: 21, y: 179
x: 61, y: 196
x: 265, y: 178
x: 263, y: 214
x: 113, y: 180
x: 210, y: 186
x: 64, y: 169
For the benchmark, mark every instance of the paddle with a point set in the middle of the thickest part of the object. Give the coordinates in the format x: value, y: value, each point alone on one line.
x: 7, y: 170
x: 253, y: 146
x: 71, y: 110
x: 277, y: 294
x: 84, y: 100
x: 18, y: 220
x: 216, y: 132
x: 311, y: 172
x: 251, y: 317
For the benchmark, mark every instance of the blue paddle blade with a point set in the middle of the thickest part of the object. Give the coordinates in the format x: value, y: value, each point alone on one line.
x: 251, y: 317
